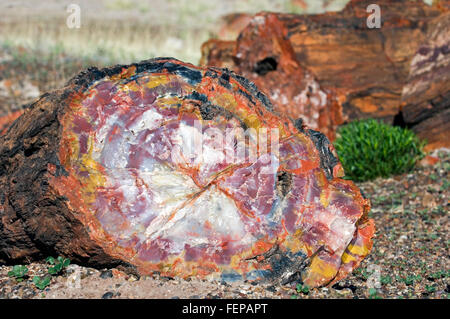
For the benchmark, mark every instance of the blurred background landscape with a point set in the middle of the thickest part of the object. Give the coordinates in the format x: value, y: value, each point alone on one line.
x: 122, y: 31
x: 38, y: 52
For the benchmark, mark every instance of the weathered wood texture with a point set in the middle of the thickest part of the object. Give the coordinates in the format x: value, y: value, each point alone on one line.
x: 264, y: 54
x: 366, y: 68
x: 426, y: 95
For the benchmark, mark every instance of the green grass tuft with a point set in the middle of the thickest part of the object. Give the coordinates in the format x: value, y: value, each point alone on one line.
x: 369, y: 149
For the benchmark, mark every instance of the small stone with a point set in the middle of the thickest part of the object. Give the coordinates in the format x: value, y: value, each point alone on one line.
x: 106, y: 274
x: 108, y: 295
x: 271, y: 289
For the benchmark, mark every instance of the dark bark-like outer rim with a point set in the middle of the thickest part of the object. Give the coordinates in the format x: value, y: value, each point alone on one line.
x: 35, y: 222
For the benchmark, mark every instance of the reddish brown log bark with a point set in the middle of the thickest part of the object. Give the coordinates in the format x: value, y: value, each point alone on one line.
x: 263, y: 53
x: 426, y: 95
x: 366, y: 68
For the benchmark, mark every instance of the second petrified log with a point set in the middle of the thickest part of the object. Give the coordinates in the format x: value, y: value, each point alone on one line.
x: 264, y: 55
x: 426, y: 95
x: 106, y: 172
x: 366, y: 68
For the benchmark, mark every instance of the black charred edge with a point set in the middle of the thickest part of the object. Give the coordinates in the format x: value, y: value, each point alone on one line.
x: 363, y: 194
x: 298, y: 123
x: 327, y: 160
x: 209, y: 111
x: 253, y: 89
x: 213, y: 72
x: 87, y: 77
x: 285, y: 266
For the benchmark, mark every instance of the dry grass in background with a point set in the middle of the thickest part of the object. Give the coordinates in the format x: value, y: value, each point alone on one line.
x: 39, y: 51
x: 122, y: 31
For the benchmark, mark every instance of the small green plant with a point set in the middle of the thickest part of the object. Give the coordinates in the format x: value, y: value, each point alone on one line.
x: 57, y: 264
x: 439, y: 274
x: 411, y: 279
x: 386, y: 280
x: 365, y: 274
x: 430, y: 289
x: 302, y: 289
x: 369, y: 148
x: 373, y: 294
x: 41, y: 282
x: 19, y: 272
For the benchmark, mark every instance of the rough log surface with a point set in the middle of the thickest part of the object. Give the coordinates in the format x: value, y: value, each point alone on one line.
x: 264, y: 54
x: 426, y: 95
x: 366, y: 68
x: 83, y: 173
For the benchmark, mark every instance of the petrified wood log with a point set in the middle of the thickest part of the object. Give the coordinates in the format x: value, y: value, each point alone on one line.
x: 426, y: 96
x: 264, y: 55
x: 366, y: 68
x: 106, y: 172
x: 218, y: 53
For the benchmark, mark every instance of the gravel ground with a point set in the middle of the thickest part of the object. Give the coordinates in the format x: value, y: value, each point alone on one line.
x: 409, y: 259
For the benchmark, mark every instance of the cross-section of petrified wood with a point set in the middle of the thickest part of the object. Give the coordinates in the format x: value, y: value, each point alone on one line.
x: 366, y: 68
x: 104, y: 172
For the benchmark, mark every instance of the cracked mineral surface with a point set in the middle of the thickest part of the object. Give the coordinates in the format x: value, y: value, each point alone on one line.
x: 126, y: 170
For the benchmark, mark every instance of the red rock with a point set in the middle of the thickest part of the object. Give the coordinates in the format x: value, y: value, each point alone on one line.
x: 104, y: 172
x: 119, y: 274
x: 429, y: 160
